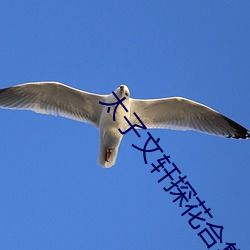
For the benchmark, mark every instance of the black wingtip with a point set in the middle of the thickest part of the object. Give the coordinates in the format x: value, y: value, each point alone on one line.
x: 239, y: 131
x: 248, y: 134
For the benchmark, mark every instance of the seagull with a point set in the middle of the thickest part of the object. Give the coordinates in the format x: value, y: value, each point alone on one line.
x: 175, y: 113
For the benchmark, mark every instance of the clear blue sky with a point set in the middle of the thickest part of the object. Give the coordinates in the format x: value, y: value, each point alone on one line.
x: 53, y: 194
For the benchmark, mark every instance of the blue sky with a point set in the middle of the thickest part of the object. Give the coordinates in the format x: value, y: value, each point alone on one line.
x: 53, y: 193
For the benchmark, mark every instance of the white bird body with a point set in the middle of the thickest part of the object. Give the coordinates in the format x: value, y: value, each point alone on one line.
x: 110, y: 137
x: 167, y: 113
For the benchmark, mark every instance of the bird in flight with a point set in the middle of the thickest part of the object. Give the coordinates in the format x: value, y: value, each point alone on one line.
x: 175, y: 113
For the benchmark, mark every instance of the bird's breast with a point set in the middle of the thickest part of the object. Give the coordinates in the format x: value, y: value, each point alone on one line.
x: 115, y: 118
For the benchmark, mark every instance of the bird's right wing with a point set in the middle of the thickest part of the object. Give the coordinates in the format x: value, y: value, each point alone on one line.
x: 54, y: 98
x: 182, y: 114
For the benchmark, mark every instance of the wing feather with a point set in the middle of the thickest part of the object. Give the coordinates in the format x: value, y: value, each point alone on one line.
x: 53, y: 98
x: 183, y: 114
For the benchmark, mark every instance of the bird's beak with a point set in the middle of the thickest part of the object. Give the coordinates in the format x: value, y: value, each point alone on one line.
x: 122, y: 88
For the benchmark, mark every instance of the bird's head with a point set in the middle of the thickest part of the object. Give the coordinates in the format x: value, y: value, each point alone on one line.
x: 122, y: 91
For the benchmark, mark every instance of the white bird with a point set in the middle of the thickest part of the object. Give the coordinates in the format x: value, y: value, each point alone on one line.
x: 168, y: 113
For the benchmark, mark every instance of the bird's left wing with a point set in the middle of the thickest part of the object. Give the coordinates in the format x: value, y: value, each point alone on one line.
x: 53, y: 98
x: 182, y: 114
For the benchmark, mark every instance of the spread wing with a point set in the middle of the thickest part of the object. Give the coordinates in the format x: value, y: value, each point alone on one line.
x: 55, y: 99
x: 182, y: 114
